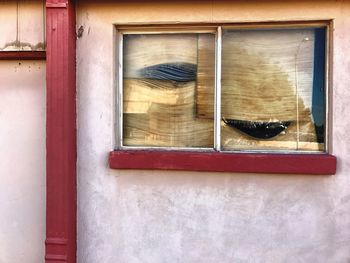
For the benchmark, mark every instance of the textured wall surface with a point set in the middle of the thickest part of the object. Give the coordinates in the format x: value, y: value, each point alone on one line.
x: 164, y: 216
x: 22, y: 161
x: 22, y: 25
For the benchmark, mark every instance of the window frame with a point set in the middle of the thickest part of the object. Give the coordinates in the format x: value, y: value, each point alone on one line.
x: 119, y: 97
x: 286, y: 155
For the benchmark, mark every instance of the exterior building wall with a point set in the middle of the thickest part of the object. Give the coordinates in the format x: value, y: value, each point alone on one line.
x: 22, y: 161
x: 22, y: 134
x: 167, y: 216
x: 22, y: 25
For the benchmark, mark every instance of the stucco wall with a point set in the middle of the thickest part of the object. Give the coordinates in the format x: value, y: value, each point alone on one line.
x: 22, y: 25
x: 165, y: 216
x: 22, y: 161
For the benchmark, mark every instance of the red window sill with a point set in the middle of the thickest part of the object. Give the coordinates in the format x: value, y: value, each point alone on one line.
x: 22, y: 55
x: 317, y: 164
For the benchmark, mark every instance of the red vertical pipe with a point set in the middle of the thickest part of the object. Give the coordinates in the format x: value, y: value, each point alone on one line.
x: 61, y: 154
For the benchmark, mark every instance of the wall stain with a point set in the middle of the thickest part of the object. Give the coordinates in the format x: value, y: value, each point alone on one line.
x: 80, y: 32
x: 18, y: 45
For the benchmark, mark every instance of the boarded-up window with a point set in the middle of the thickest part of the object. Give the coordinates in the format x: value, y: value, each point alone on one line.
x: 226, y: 90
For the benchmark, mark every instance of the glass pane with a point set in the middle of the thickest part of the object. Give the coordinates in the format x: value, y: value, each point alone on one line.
x: 168, y: 90
x: 273, y: 94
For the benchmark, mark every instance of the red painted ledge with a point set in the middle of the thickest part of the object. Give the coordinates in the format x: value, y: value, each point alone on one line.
x: 316, y: 164
x: 22, y: 55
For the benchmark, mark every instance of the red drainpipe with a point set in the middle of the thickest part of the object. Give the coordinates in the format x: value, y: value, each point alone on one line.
x: 61, y: 150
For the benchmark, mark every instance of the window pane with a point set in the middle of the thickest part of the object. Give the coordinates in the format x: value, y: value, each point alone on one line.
x: 273, y: 93
x: 168, y: 90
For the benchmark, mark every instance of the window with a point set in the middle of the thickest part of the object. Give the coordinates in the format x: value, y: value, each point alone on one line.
x: 223, y: 89
x: 168, y: 79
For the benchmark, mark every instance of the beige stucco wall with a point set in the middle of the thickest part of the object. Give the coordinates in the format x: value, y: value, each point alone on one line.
x: 22, y: 135
x: 167, y: 216
x: 22, y: 161
x: 22, y: 25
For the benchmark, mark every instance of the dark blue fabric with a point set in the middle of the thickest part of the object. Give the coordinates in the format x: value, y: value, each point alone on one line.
x: 177, y: 71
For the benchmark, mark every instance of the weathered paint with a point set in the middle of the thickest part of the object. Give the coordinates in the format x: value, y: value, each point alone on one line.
x: 22, y: 25
x: 172, y: 216
x: 22, y: 55
x: 22, y: 161
x: 60, y: 243
x: 224, y: 162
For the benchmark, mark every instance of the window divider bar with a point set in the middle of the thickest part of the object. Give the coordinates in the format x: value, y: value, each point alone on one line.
x: 217, y: 110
